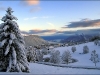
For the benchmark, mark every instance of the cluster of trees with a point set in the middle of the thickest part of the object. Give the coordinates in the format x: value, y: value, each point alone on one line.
x: 95, y: 38
x: 34, y: 55
x: 65, y: 58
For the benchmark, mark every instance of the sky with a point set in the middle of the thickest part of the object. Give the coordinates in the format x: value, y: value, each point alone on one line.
x: 58, y: 17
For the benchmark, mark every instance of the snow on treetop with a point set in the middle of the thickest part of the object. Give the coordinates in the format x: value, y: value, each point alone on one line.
x: 9, y: 9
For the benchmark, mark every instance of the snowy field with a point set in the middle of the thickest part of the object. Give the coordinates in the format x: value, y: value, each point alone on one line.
x: 45, y: 69
x: 83, y: 59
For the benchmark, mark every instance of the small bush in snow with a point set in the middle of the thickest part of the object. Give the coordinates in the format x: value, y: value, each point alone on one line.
x: 94, y: 57
x: 66, y: 57
x: 74, y: 60
x: 73, y: 49
x: 96, y: 42
x: 55, y: 57
x: 47, y: 59
x: 85, y: 50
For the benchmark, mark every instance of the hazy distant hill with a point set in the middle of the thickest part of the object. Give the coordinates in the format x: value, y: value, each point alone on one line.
x: 76, y: 38
x: 34, y: 40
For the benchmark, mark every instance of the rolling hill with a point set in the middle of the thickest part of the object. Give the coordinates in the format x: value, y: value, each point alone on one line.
x: 34, y: 40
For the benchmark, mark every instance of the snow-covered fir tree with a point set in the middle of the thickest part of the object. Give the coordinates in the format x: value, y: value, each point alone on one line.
x: 31, y: 54
x: 85, y: 49
x: 55, y: 57
x: 12, y: 54
x: 73, y: 49
x: 66, y: 57
x: 94, y: 57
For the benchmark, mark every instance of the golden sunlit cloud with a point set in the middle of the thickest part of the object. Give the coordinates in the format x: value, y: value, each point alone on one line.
x: 32, y: 2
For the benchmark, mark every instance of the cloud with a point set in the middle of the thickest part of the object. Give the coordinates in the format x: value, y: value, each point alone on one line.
x: 33, y: 2
x: 23, y: 3
x: 54, y: 32
x: 26, y: 19
x: 44, y: 17
x: 38, y: 31
x: 2, y: 8
x: 84, y: 23
x: 85, y: 31
x: 35, y: 9
x: 66, y: 32
x: 32, y: 18
x: 52, y: 25
x: 29, y: 2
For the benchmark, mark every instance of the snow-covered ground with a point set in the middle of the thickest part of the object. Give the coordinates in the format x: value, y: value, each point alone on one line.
x: 45, y: 69
x: 83, y: 59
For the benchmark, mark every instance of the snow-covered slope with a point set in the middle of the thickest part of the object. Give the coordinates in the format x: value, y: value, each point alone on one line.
x: 40, y: 69
x: 83, y: 59
x: 34, y: 40
x: 45, y: 69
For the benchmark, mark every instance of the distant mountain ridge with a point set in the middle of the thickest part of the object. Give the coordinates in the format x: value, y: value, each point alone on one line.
x: 54, y: 37
x: 77, y: 38
x: 34, y: 40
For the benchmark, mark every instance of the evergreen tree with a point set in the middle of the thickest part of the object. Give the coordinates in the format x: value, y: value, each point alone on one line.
x: 13, y: 57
